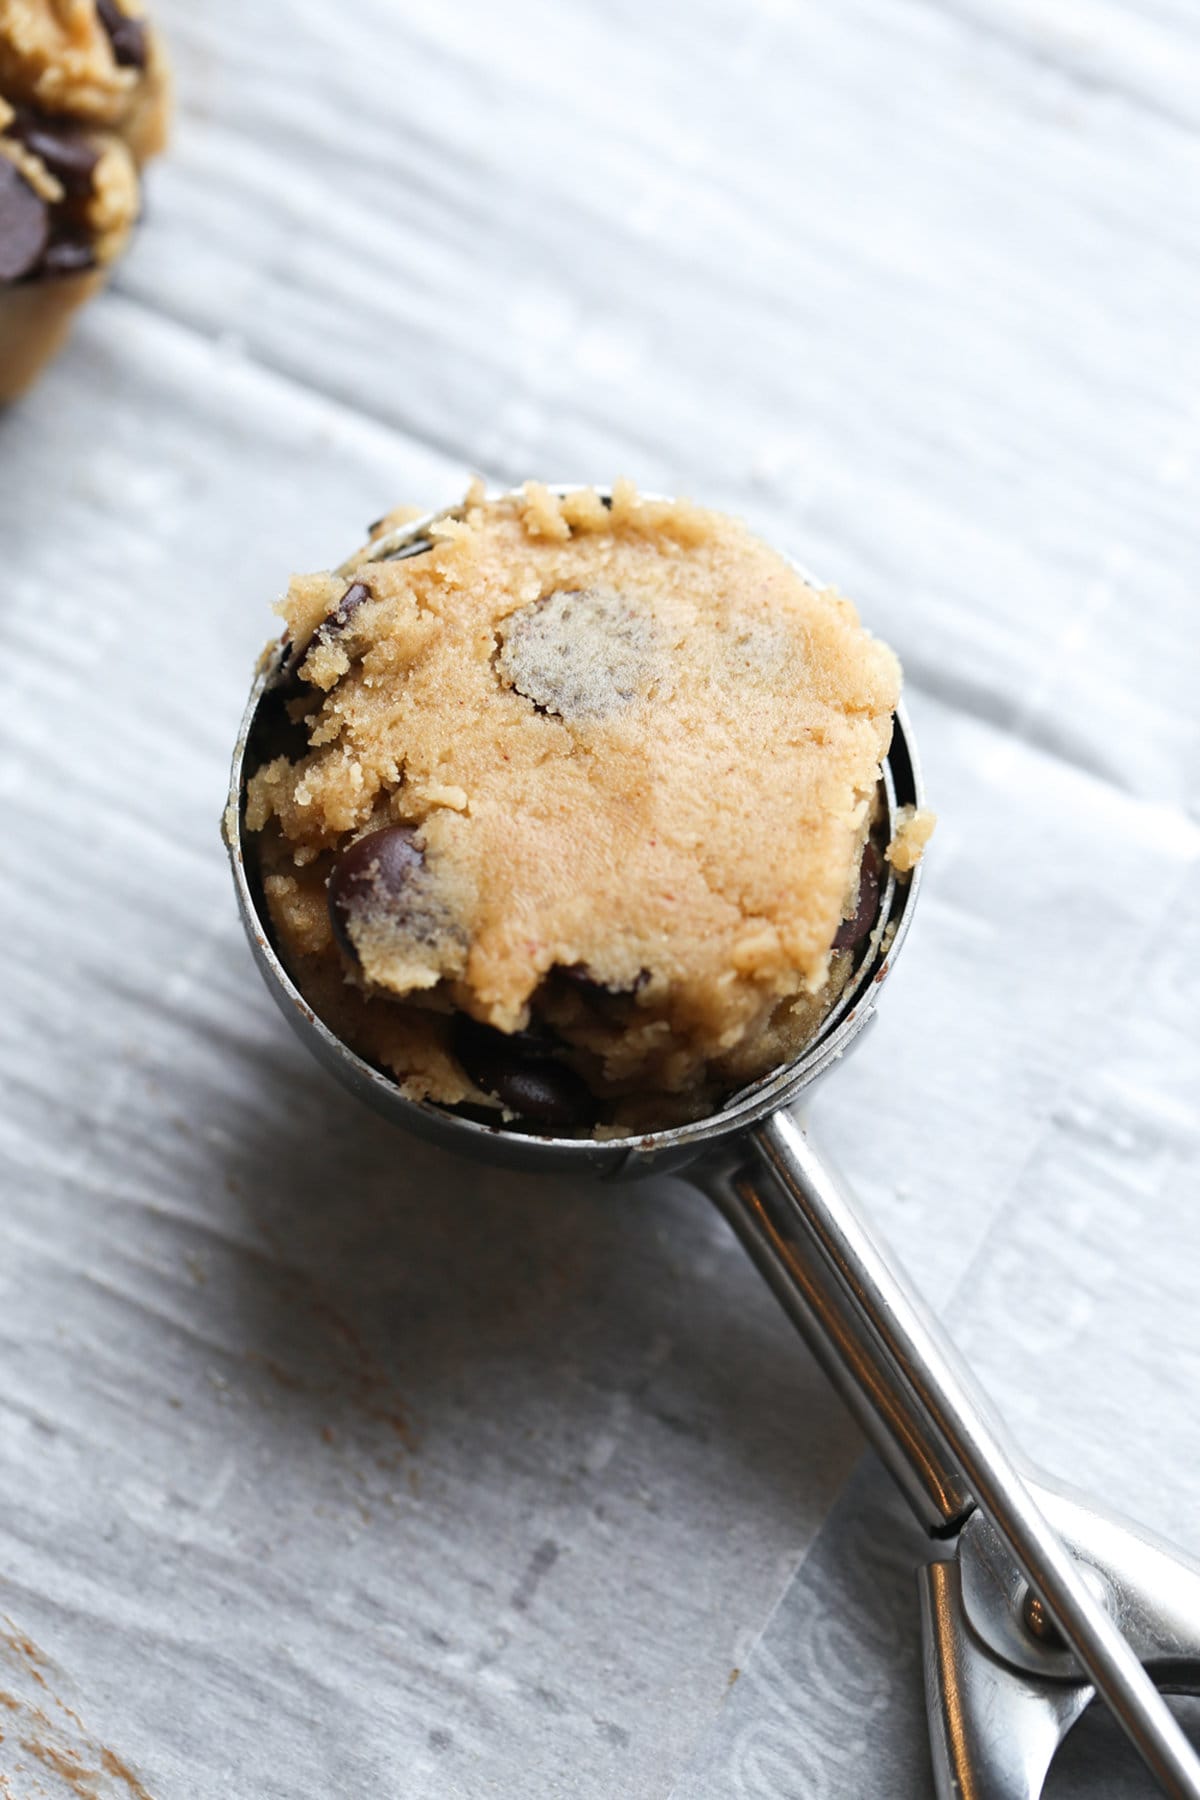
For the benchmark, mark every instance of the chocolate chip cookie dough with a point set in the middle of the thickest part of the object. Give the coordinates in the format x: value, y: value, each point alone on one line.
x: 576, y: 830
x: 83, y: 103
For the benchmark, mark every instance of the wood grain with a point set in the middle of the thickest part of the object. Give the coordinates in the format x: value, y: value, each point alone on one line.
x: 327, y: 1466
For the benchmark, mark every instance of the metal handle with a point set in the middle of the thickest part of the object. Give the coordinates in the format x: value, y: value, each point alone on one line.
x: 908, y: 1384
x: 763, y: 1214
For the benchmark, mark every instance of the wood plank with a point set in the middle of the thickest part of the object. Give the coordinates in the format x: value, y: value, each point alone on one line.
x: 324, y: 1453
x: 915, y: 299
x: 306, y: 1482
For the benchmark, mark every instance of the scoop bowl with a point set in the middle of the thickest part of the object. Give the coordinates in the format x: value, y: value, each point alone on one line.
x: 263, y: 733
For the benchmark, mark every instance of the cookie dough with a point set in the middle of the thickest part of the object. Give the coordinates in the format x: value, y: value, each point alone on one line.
x: 914, y: 828
x: 83, y: 103
x: 576, y: 827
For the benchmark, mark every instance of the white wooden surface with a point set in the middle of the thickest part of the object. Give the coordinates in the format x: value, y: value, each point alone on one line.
x: 327, y: 1466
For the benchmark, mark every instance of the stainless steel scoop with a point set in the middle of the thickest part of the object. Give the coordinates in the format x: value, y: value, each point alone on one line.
x: 1033, y: 1601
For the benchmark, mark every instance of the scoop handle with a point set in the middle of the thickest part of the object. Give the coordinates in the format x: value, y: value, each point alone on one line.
x: 898, y: 1370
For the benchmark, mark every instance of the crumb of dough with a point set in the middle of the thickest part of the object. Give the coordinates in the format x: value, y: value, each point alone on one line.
x: 914, y: 828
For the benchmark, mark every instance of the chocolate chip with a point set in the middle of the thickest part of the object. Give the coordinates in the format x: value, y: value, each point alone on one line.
x: 515, y: 1067
x: 126, y: 36
x: 607, y: 1002
x: 346, y: 607
x: 24, y: 224
x: 373, y: 876
x: 68, y: 256
x: 580, y: 977
x: 535, y: 1044
x: 68, y: 155
x: 853, y: 931
x: 580, y: 653
x: 547, y: 1094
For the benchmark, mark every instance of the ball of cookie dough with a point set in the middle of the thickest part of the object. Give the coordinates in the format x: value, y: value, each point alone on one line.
x: 576, y: 827
x: 83, y: 103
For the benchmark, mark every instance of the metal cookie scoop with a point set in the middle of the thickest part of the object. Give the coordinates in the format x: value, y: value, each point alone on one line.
x: 1033, y: 1601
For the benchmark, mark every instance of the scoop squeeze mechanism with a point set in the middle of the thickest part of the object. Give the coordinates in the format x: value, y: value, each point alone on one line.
x: 1033, y: 1600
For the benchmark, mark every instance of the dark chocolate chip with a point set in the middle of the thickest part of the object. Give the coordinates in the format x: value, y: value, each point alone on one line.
x: 853, y: 931
x: 515, y: 1068
x: 346, y: 607
x: 547, y: 1094
x: 610, y: 1004
x: 24, y: 224
x: 68, y: 256
x: 375, y: 525
x: 580, y: 653
x: 580, y: 977
x: 476, y: 1041
x: 374, y: 874
x: 126, y: 36
x: 67, y: 154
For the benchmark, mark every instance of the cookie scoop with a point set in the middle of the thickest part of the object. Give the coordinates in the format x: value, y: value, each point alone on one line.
x: 582, y: 796
x: 83, y: 103
x: 1032, y: 1599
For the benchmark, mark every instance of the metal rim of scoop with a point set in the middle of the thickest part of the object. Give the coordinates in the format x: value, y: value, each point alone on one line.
x: 612, y: 1157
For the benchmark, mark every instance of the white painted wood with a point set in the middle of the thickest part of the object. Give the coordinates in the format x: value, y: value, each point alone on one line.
x: 327, y: 1466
